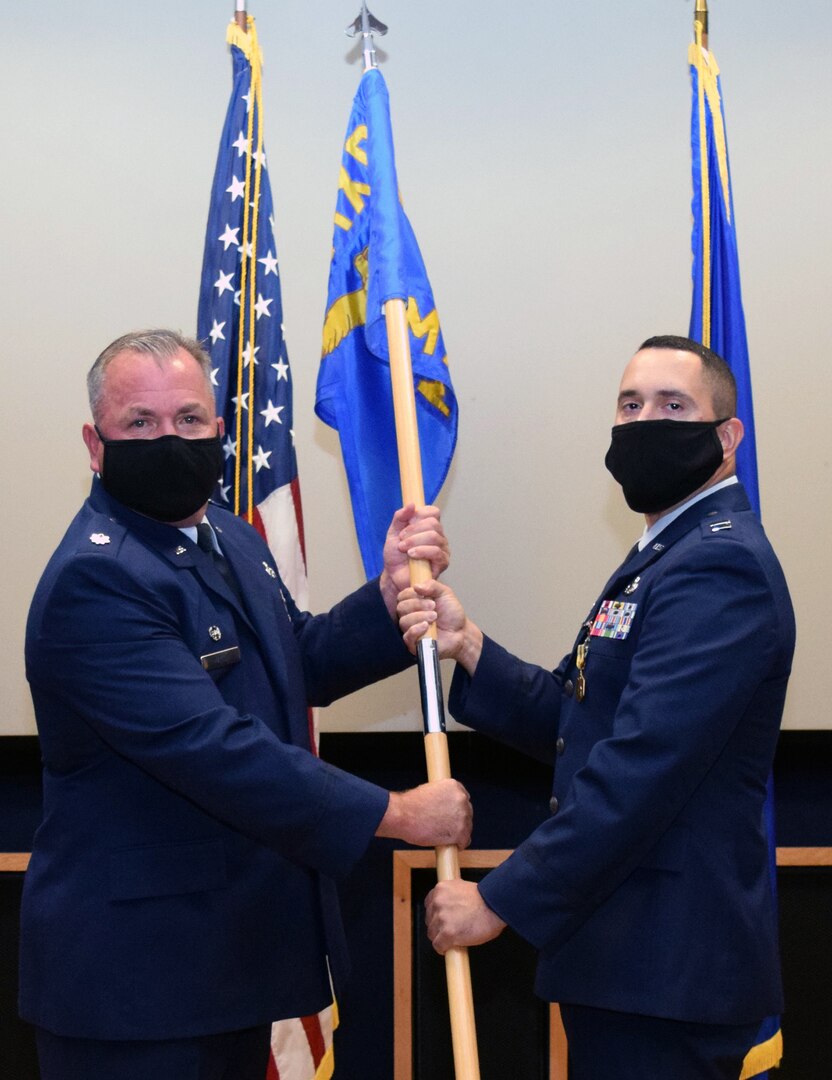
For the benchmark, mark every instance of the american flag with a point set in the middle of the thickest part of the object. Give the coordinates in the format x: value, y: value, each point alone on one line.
x: 240, y: 322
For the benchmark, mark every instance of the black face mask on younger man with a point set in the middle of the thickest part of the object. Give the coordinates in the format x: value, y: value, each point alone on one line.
x: 167, y: 479
x: 659, y: 463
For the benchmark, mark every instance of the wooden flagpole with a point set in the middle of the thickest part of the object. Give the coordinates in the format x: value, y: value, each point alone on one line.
x: 457, y: 968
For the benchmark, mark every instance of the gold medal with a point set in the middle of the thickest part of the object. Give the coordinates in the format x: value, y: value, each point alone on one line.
x: 580, y: 663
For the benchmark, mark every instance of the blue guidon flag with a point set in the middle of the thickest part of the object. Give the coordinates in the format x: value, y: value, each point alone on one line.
x: 718, y: 322
x: 375, y: 258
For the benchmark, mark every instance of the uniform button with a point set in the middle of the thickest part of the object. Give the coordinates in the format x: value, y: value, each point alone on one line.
x: 568, y: 688
x: 554, y: 804
x: 560, y: 745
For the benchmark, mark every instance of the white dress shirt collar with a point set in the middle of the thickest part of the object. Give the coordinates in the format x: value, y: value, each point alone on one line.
x: 649, y: 535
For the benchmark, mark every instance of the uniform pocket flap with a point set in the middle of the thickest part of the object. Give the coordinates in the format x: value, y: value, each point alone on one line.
x: 167, y: 870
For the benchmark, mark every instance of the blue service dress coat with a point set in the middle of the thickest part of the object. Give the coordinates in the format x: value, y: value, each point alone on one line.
x: 648, y: 888
x: 180, y: 882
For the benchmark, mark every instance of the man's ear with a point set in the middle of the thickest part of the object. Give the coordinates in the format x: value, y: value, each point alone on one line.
x: 730, y: 436
x: 94, y: 446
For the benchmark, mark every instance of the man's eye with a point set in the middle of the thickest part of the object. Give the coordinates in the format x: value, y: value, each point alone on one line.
x: 674, y: 406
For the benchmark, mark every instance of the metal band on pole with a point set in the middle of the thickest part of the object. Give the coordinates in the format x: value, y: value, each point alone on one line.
x: 700, y: 16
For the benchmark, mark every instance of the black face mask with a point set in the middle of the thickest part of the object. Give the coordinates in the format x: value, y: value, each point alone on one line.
x: 168, y: 478
x: 660, y: 462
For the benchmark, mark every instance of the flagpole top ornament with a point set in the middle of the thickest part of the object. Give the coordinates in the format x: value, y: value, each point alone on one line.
x: 366, y: 24
x: 240, y: 15
x: 700, y: 18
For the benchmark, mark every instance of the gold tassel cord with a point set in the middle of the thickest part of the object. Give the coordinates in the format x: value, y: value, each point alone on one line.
x: 247, y: 42
x: 251, y: 254
x: 698, y: 60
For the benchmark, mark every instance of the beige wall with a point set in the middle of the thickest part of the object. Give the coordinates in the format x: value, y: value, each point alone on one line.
x: 545, y: 167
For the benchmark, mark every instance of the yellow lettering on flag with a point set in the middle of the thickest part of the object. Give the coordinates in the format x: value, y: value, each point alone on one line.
x: 429, y: 326
x: 435, y: 393
x: 351, y: 145
x: 353, y: 189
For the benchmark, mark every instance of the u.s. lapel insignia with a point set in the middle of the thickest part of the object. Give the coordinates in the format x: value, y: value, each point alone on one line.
x: 658, y: 547
x: 631, y: 588
x: 180, y: 550
x: 269, y: 570
x: 100, y: 538
x: 214, y: 633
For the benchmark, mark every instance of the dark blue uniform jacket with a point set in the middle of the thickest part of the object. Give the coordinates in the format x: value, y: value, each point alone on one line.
x: 648, y: 889
x: 180, y: 883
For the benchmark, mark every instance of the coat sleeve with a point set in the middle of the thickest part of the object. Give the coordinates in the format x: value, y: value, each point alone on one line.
x: 709, y: 638
x: 510, y: 700
x: 354, y: 644
x: 107, y: 652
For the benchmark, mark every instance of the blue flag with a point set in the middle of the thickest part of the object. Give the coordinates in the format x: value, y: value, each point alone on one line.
x: 717, y: 321
x: 240, y: 323
x: 375, y: 258
x: 716, y: 318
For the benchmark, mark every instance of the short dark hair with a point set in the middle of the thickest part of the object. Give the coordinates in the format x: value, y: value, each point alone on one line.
x: 718, y: 375
x: 160, y: 344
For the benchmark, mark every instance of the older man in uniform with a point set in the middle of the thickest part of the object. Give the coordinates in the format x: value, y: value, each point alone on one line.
x: 179, y: 896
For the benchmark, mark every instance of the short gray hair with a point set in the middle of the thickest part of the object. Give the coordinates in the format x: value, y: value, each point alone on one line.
x: 160, y: 344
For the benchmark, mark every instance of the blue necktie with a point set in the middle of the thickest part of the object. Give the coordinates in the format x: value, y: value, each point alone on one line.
x: 205, y: 540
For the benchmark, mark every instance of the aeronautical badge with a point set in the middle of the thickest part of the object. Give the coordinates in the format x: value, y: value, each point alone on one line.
x: 614, y: 620
x: 214, y: 633
x: 631, y: 588
x: 100, y: 538
x: 269, y: 570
